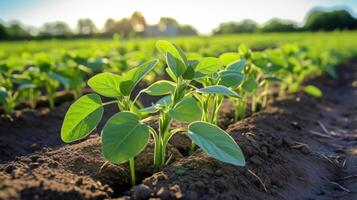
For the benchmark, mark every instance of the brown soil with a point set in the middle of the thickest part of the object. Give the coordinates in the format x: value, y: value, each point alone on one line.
x: 284, y: 159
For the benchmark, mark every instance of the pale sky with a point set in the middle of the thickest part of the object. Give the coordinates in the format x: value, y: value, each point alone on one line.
x: 202, y: 14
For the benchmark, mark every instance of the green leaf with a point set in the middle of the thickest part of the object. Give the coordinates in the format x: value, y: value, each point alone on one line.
x: 278, y: 62
x: 60, y: 78
x: 236, y: 66
x: 133, y: 76
x: 218, y: 90
x: 170, y: 73
x: 3, y: 94
x: 165, y: 46
x: 229, y: 57
x: 160, y: 88
x: 82, y: 117
x: 230, y: 78
x: 272, y: 79
x: 187, y: 110
x: 106, y: 84
x: 243, y: 49
x: 189, y: 73
x: 250, y: 85
x: 313, y: 91
x: 123, y: 137
x: 216, y: 143
x: 208, y: 65
x: 175, y: 65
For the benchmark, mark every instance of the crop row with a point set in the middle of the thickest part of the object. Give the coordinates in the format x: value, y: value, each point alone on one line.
x: 31, y: 70
x: 193, y: 95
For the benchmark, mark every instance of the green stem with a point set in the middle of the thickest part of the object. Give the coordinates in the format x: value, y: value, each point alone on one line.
x: 132, y: 171
x: 266, y: 95
x: 193, y: 148
x: 254, y: 103
x: 240, y: 108
x: 51, y: 101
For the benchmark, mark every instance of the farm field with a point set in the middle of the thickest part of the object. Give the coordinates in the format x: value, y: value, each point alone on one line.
x: 248, y: 116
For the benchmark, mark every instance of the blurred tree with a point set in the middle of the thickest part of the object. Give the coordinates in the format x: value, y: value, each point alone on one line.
x: 138, y: 22
x: 55, y: 29
x: 123, y: 27
x: 3, y: 32
x: 186, y: 30
x: 86, y: 27
x: 16, y: 31
x: 109, y: 27
x: 330, y: 20
x: 168, y: 21
x: 245, y: 26
x: 278, y: 25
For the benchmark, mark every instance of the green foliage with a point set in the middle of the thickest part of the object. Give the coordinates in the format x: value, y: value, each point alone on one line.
x: 159, y: 88
x: 106, y: 84
x: 216, y: 143
x: 218, y: 90
x: 313, y: 91
x: 123, y: 137
x: 82, y: 117
x: 186, y: 110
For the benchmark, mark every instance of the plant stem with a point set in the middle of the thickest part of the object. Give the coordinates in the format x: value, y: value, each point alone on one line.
x: 266, y: 94
x: 132, y: 171
x: 254, y: 103
x: 51, y: 101
x: 240, y: 108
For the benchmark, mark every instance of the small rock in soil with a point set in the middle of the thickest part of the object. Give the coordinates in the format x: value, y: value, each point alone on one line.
x: 141, y: 192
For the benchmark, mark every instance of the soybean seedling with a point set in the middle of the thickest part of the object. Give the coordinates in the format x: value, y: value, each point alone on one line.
x: 124, y: 135
x: 180, y: 104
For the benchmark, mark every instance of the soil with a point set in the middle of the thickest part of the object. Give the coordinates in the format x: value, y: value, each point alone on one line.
x: 299, y: 147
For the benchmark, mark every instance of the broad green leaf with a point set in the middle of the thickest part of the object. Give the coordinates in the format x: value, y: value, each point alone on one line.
x: 218, y: 90
x: 229, y: 57
x: 208, y: 65
x: 216, y: 143
x: 236, y: 66
x: 170, y: 73
x: 161, y: 88
x: 187, y: 110
x: 123, y: 137
x: 133, y: 76
x: 19, y: 79
x: 3, y: 94
x: 175, y: 65
x: 189, y: 73
x: 165, y: 46
x: 230, y: 78
x: 60, y: 78
x: 243, y: 49
x: 278, y: 62
x: 106, y: 84
x: 250, y: 85
x: 82, y: 117
x: 313, y: 91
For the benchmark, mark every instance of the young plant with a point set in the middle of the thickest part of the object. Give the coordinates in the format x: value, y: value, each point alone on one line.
x: 9, y: 96
x: 182, y: 105
x: 217, y: 83
x: 124, y: 135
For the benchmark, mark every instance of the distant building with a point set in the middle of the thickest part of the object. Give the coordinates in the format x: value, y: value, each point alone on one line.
x: 160, y: 30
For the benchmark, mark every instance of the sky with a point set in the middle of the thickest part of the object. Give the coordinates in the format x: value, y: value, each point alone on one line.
x: 204, y: 15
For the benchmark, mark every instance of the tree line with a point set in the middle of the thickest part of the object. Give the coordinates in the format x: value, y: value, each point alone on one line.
x: 316, y: 20
x: 136, y: 26
x: 133, y: 26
